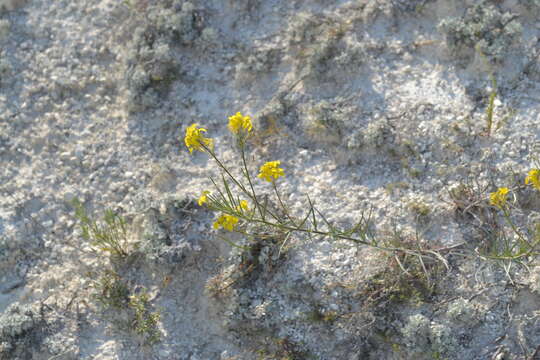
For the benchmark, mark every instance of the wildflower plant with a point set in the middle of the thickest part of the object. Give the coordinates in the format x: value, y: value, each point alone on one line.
x: 244, y: 210
x: 524, y: 244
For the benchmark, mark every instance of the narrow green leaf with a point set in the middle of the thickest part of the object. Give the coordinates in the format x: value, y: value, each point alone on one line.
x: 229, y: 193
x: 311, y: 208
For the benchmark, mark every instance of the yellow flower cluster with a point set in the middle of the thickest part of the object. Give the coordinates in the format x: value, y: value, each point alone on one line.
x: 240, y: 125
x: 203, y: 198
x: 499, y: 197
x: 196, y: 141
x: 239, y: 122
x: 271, y: 171
x: 243, y: 206
x: 533, y: 178
x: 228, y: 222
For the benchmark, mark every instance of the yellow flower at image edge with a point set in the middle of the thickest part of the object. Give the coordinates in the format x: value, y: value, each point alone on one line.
x: 227, y: 222
x: 498, y: 198
x: 195, y: 140
x: 271, y: 171
x: 239, y: 121
x: 203, y: 199
x: 534, y: 178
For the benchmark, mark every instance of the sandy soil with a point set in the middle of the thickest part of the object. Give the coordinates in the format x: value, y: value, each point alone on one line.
x: 368, y: 104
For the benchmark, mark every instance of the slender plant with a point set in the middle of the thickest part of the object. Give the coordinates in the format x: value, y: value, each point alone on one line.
x: 491, y: 105
x: 523, y: 244
x: 238, y: 203
x: 109, y: 235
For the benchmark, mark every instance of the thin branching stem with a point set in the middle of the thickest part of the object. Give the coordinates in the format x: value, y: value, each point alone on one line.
x: 513, y: 226
x: 285, y: 211
x: 249, y: 180
x: 239, y: 184
x: 227, y: 206
x: 335, y: 235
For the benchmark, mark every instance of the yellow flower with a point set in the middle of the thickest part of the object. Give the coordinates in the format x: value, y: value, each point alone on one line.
x: 271, y: 171
x: 498, y: 198
x: 203, y: 199
x: 227, y: 222
x: 243, y: 206
x: 534, y: 178
x: 195, y: 140
x: 239, y: 121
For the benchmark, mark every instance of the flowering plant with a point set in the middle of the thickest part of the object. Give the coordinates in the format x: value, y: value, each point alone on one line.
x: 236, y: 214
x: 525, y: 243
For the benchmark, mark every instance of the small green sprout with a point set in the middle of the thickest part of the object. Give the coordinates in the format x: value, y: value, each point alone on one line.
x: 111, y: 290
x: 109, y: 235
x: 145, y: 322
x: 491, y: 106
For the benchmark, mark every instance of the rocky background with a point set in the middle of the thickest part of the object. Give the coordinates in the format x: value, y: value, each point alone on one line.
x: 369, y: 104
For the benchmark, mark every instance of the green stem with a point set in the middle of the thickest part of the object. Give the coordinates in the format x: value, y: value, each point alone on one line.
x: 249, y: 180
x: 242, y: 187
x: 281, y: 226
x: 281, y: 203
x: 339, y: 236
x: 518, y: 233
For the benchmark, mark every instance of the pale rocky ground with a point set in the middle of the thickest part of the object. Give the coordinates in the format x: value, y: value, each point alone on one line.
x: 367, y: 104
